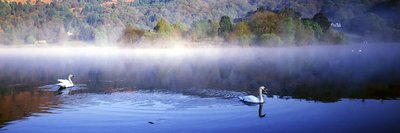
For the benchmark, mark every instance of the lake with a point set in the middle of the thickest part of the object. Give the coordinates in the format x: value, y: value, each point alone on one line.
x: 347, y: 88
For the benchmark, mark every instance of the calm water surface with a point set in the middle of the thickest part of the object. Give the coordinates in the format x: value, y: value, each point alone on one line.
x: 174, y: 112
x: 312, y: 89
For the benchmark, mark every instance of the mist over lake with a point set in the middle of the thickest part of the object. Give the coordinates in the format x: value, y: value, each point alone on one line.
x: 325, y: 73
x: 158, y: 86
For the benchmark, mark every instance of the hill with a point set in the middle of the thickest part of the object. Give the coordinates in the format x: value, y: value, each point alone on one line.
x: 105, y: 20
x: 31, y: 1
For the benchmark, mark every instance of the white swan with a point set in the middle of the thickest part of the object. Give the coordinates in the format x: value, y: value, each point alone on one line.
x: 254, y: 99
x: 66, y: 83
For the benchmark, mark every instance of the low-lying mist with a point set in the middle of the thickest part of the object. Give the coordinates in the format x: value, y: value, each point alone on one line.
x: 325, y: 73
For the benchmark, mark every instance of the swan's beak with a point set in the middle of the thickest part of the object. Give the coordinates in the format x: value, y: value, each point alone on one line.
x: 265, y: 91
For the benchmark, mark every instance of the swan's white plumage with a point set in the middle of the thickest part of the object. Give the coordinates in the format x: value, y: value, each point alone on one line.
x: 66, y: 82
x: 63, y: 81
x: 253, y: 99
x: 250, y: 99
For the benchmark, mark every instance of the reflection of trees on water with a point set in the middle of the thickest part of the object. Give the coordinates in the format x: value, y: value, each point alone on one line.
x: 94, y: 79
x: 19, y: 104
x: 315, y: 74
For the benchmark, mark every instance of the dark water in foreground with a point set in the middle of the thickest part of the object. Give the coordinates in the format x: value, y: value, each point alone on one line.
x: 169, y: 112
x: 311, y: 89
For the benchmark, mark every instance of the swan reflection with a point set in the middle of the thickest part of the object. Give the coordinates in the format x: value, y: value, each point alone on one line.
x: 260, y: 108
x: 260, y: 112
x: 61, y: 90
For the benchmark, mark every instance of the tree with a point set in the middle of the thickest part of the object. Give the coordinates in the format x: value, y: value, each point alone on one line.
x: 5, y: 10
x: 322, y: 21
x: 225, y: 27
x: 100, y: 35
x: 270, y: 39
x: 180, y: 29
x: 288, y: 30
x: 201, y: 30
x: 85, y: 17
x: 86, y: 33
x: 264, y: 22
x: 314, y: 27
x: 61, y: 34
x: 242, y: 33
x: 163, y: 28
x: 130, y: 35
x: 30, y: 39
x: 7, y: 27
x: 214, y: 28
x: 303, y: 35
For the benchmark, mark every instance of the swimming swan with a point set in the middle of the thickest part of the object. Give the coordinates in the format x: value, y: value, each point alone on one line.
x: 253, y: 99
x: 66, y: 83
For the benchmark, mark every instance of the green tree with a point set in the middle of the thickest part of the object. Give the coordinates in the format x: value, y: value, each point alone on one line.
x: 323, y: 21
x: 163, y: 28
x: 318, y: 32
x: 5, y: 10
x: 100, y: 35
x: 7, y: 27
x: 180, y: 29
x: 270, y: 39
x: 225, y: 27
x: 303, y: 36
x: 264, y: 22
x: 288, y: 30
x: 242, y: 33
x: 30, y: 39
x: 214, y: 28
x: 201, y: 30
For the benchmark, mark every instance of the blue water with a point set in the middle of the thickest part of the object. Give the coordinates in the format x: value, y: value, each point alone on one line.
x: 310, y: 89
x: 147, y: 111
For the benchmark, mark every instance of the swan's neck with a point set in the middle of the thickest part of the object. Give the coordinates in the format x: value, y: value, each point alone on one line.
x: 69, y: 79
x: 261, y: 97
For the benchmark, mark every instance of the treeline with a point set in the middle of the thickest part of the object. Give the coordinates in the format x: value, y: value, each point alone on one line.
x: 104, y: 21
x: 58, y: 21
x: 262, y: 27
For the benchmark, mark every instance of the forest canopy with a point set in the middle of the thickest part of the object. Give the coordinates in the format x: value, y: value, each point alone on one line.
x: 244, y: 22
